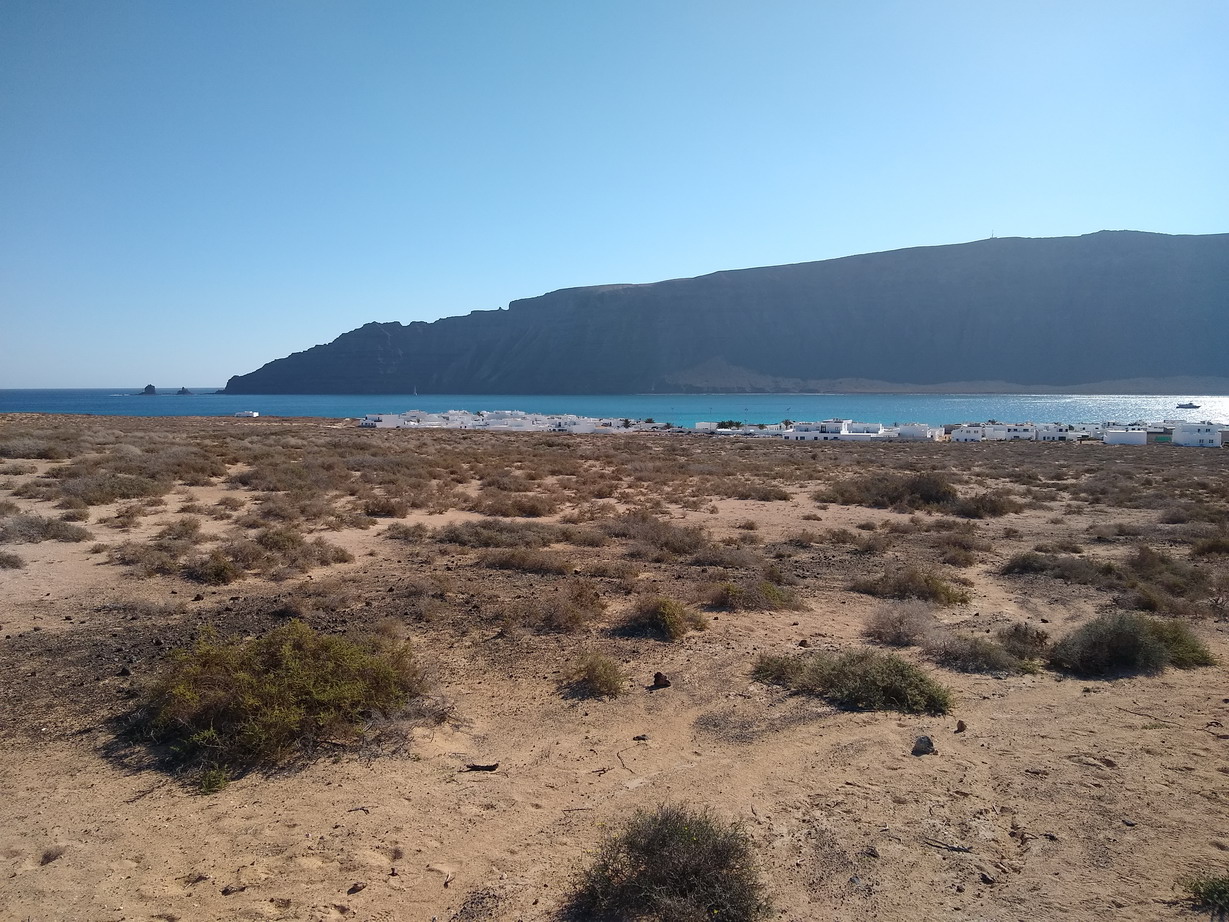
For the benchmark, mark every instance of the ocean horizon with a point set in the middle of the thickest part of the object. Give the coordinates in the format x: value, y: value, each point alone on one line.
x: 678, y: 409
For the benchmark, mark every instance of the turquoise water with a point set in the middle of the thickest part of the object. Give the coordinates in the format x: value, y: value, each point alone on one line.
x: 681, y: 410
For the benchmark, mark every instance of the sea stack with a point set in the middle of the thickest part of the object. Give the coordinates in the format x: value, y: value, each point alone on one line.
x: 150, y: 391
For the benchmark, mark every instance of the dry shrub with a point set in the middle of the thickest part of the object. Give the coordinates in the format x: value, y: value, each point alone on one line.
x: 665, y: 618
x: 500, y: 533
x: 598, y: 676
x: 522, y: 505
x: 1081, y: 570
x: 1206, y: 547
x: 912, y: 582
x: 900, y: 624
x: 31, y: 529
x: 966, y: 653
x: 385, y: 507
x: 1025, y: 641
x: 151, y: 559
x: 672, y: 864
x: 186, y: 529
x: 759, y: 595
x: 858, y: 680
x: 613, y: 569
x: 886, y: 490
x: 566, y: 610
x: 748, y: 490
x: 214, y: 569
x: 656, y: 533
x: 716, y: 555
x: 10, y: 561
x: 991, y: 504
x: 526, y: 560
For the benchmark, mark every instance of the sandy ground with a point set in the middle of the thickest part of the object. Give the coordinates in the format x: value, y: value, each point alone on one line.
x: 1063, y: 799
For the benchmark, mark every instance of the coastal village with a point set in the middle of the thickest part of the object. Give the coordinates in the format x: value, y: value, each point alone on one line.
x: 1201, y: 434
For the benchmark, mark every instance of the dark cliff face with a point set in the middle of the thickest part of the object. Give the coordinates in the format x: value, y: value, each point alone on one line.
x: 1058, y: 311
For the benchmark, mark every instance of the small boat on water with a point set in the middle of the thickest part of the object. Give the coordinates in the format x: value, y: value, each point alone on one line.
x: 1188, y: 406
x: 251, y: 414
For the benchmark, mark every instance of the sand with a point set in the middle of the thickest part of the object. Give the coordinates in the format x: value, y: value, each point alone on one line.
x: 1063, y: 798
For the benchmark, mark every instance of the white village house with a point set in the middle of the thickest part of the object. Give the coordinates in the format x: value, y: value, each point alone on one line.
x: 1198, y: 435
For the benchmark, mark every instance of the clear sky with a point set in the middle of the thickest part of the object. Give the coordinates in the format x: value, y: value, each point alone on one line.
x: 189, y: 190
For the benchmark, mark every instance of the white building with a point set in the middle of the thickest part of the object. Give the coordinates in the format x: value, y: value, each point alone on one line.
x: 919, y: 431
x: 1198, y: 435
x: 1126, y: 436
x: 969, y: 434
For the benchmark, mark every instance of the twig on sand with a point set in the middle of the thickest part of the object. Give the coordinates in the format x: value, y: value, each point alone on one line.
x: 935, y: 843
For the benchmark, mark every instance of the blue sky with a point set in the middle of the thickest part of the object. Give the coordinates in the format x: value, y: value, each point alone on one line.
x: 189, y: 190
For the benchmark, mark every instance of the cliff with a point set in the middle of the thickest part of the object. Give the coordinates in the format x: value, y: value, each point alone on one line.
x: 1054, y: 313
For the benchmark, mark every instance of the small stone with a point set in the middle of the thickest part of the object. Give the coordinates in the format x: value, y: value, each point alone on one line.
x: 1127, y: 822
x: 356, y: 887
x: 987, y: 879
x: 124, y: 672
x: 804, y: 642
x: 641, y: 737
x: 871, y: 852
x: 660, y: 680
x: 961, y: 726
x: 923, y: 746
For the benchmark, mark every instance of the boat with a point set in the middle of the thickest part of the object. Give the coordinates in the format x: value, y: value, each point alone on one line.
x: 1188, y: 406
x: 250, y: 414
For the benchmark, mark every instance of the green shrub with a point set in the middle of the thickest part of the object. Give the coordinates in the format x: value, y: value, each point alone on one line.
x: 229, y: 704
x: 1128, y: 643
x: 860, y: 680
x: 900, y: 624
x: 1208, y: 893
x: 598, y: 676
x: 672, y: 864
x: 912, y: 583
x: 666, y: 618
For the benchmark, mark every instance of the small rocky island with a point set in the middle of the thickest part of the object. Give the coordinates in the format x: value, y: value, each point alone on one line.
x: 150, y: 391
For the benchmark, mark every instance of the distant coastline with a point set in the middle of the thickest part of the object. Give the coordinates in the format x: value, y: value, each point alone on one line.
x: 678, y: 409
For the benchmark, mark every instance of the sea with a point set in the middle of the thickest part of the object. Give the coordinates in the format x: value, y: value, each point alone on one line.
x: 678, y: 409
